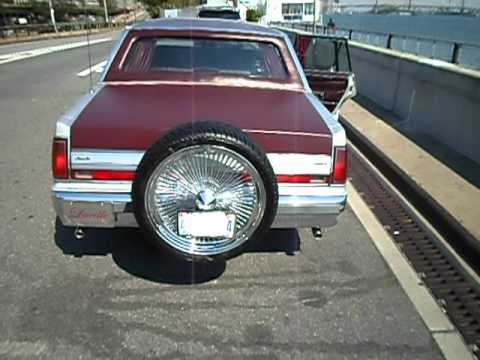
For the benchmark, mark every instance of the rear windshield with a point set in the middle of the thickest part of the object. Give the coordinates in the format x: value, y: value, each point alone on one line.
x: 214, y: 56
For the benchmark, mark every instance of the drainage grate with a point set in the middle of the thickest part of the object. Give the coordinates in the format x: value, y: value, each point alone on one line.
x: 455, y: 292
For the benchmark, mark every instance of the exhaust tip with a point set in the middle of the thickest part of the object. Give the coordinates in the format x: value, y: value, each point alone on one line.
x: 317, y: 232
x: 79, y: 233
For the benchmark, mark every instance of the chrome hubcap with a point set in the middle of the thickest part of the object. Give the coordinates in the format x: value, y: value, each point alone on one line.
x: 206, y: 199
x: 199, y: 179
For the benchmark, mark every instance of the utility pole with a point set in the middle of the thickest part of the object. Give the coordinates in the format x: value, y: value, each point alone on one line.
x: 52, y: 15
x: 314, y: 15
x: 409, y: 5
x: 106, y: 11
x: 135, y: 11
x: 125, y: 12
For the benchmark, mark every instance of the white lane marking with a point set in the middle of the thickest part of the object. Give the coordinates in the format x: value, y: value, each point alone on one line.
x: 7, y: 58
x: 98, y: 68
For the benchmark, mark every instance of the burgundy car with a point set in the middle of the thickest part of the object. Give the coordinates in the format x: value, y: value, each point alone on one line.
x: 203, y: 133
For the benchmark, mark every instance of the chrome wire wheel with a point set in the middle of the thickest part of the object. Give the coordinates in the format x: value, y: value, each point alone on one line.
x: 205, y: 178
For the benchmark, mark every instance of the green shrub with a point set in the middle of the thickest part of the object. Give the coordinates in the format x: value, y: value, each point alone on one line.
x: 253, y: 15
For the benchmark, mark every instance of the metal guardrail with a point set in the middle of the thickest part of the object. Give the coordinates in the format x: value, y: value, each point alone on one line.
x: 460, y: 53
x: 18, y: 31
x: 387, y: 7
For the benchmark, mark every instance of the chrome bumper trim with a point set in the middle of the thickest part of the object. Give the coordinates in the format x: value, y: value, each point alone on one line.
x: 293, y: 210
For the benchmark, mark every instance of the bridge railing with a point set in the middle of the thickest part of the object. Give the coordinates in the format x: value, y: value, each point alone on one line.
x: 18, y: 31
x: 461, y: 53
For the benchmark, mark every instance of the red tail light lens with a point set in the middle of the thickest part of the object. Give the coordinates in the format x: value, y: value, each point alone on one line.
x: 294, y: 179
x: 339, y: 175
x: 60, y: 159
x: 104, y: 175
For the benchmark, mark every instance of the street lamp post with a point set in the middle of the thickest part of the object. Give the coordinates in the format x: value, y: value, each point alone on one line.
x: 106, y: 11
x: 52, y: 15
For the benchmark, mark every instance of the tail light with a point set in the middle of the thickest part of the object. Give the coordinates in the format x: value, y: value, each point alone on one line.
x: 60, y: 159
x: 294, y: 179
x: 339, y: 175
x: 301, y: 179
x: 124, y: 175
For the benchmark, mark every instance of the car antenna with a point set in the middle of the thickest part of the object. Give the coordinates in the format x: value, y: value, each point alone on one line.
x: 88, y: 49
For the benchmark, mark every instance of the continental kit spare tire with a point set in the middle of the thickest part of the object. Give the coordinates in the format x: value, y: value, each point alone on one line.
x: 205, y: 191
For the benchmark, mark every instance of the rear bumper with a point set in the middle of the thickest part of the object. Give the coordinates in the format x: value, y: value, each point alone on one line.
x: 95, y: 205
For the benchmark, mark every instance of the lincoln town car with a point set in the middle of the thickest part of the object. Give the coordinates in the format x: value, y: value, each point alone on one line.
x: 204, y: 133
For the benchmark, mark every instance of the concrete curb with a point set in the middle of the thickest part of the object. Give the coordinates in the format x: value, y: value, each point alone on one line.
x: 466, y: 244
x: 443, y: 332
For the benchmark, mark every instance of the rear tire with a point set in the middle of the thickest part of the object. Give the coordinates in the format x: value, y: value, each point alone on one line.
x: 179, y: 146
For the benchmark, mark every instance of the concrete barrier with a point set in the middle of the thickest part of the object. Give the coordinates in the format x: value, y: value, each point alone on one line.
x: 432, y: 97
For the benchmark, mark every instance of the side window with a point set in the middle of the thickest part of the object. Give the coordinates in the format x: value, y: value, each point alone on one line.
x: 343, y: 63
x: 321, y: 55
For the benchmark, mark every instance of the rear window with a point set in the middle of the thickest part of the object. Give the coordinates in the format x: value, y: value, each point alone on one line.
x: 207, y: 56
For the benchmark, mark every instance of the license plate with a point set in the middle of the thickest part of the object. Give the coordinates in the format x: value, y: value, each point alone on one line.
x: 206, y: 224
x: 89, y: 214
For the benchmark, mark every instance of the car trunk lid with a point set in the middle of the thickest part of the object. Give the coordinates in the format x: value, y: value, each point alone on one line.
x: 135, y: 116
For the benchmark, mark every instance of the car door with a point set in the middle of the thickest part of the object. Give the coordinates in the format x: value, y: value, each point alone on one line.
x: 327, y: 66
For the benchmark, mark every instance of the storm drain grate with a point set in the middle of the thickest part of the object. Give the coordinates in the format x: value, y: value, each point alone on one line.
x: 459, y: 298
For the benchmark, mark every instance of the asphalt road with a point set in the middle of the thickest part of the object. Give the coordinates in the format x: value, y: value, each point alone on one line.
x: 110, y: 296
x: 32, y: 45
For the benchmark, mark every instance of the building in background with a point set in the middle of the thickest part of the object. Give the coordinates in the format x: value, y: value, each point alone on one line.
x: 294, y: 10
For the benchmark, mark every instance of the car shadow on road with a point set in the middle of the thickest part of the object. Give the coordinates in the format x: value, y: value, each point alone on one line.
x: 133, y: 255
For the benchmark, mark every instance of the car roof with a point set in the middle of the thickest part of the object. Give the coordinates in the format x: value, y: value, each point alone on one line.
x: 206, y: 24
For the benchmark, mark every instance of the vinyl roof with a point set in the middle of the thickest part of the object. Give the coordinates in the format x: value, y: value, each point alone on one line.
x: 214, y: 25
